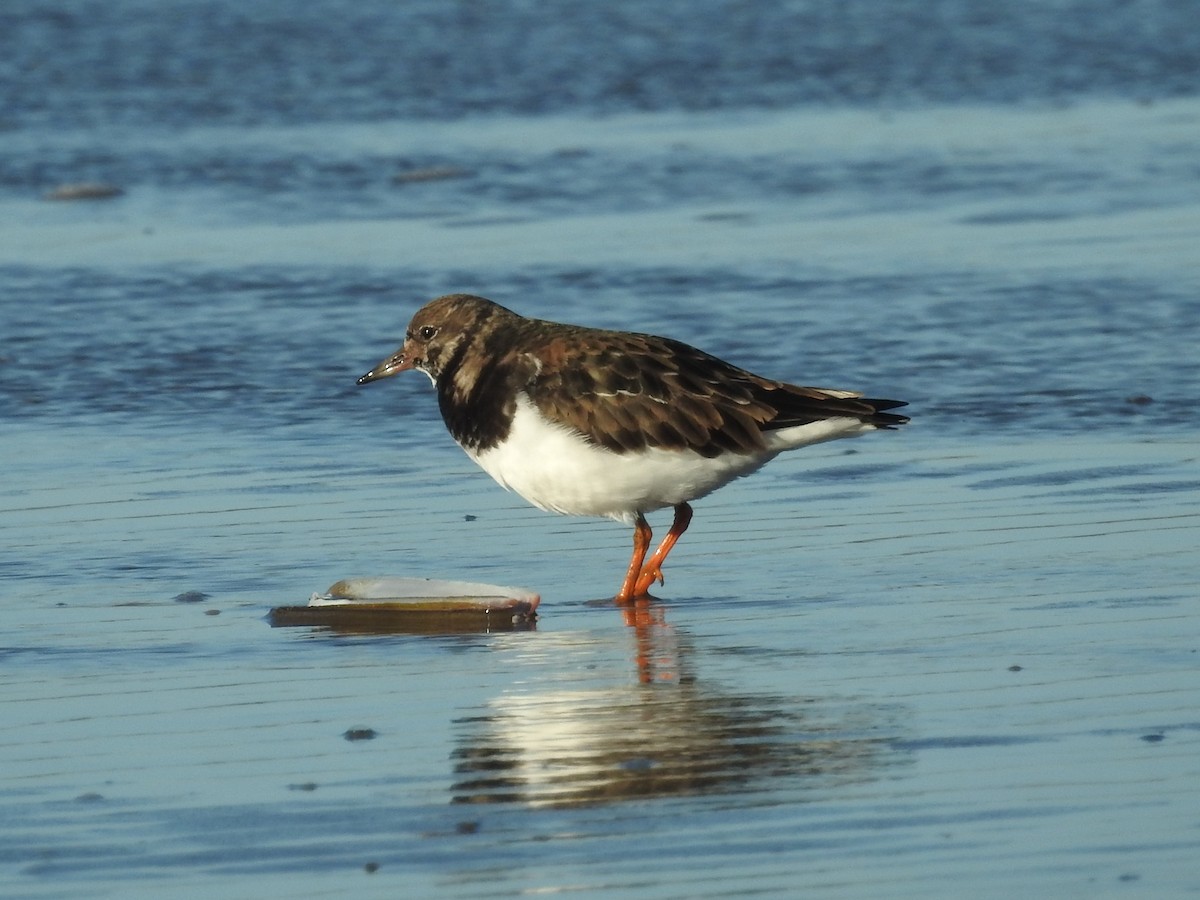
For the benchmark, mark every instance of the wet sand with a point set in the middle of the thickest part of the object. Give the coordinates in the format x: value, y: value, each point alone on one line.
x: 959, y: 660
x: 964, y: 663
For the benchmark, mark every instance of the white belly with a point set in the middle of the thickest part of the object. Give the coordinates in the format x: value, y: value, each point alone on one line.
x: 555, y: 469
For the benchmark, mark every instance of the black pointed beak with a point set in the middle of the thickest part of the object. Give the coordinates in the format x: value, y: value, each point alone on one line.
x: 393, y: 365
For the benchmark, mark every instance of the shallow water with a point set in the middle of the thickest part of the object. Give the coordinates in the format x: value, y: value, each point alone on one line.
x: 958, y: 659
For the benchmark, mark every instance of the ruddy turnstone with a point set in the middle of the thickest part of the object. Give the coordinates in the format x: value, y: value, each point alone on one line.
x: 588, y: 422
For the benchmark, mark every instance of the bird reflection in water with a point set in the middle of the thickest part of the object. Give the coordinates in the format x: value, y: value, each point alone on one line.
x: 668, y: 734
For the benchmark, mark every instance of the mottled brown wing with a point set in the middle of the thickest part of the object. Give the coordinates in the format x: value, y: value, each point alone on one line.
x: 630, y: 391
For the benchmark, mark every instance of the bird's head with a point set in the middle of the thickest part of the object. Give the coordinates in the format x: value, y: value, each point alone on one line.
x: 434, y: 335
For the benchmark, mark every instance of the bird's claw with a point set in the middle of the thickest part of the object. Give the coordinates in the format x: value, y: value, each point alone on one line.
x: 648, y: 577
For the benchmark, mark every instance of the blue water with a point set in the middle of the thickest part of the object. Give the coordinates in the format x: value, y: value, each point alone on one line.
x: 959, y: 655
x: 179, y: 64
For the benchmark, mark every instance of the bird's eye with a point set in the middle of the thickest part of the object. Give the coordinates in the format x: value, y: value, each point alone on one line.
x: 427, y: 332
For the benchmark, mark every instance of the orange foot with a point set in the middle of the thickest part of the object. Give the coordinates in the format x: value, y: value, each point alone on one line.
x: 639, y: 577
x: 647, y: 577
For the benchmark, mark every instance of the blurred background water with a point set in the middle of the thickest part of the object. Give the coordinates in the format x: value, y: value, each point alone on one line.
x: 991, y: 210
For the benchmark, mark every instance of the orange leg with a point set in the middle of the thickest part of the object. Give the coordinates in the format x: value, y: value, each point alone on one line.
x: 652, y: 571
x: 641, y: 543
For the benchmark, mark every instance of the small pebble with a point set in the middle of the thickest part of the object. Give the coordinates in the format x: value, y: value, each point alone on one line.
x: 371, y: 868
x: 84, y: 190
x: 359, y: 734
x: 1152, y: 738
x: 191, y: 597
x: 429, y: 173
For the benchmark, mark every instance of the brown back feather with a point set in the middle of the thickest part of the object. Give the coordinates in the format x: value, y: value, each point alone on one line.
x: 628, y: 391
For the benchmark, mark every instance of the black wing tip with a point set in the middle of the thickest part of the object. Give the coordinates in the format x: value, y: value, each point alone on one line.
x: 881, y: 419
